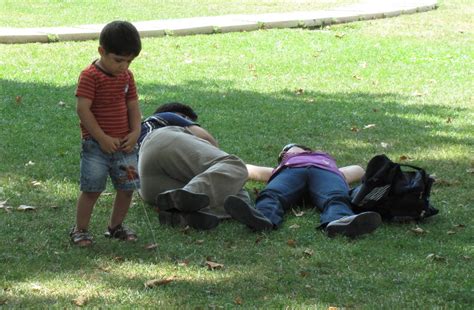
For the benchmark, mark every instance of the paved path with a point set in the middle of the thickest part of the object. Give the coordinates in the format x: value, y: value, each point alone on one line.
x: 366, y: 10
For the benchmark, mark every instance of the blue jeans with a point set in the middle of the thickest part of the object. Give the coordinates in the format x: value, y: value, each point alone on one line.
x: 327, y: 191
x: 96, y: 166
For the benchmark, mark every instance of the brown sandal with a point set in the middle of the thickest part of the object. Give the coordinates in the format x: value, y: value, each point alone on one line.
x: 80, y: 237
x: 121, y: 232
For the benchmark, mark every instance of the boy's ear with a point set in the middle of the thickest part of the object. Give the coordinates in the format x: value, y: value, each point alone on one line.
x: 101, y: 51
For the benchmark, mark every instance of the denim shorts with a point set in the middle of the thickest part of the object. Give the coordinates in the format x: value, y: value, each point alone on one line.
x: 96, y: 166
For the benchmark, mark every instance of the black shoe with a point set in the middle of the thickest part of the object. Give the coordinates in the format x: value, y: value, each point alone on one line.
x: 181, y: 200
x: 198, y: 220
x: 245, y: 214
x: 354, y: 225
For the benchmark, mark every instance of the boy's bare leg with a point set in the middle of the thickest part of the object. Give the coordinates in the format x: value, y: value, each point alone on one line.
x: 121, y: 206
x: 85, y: 205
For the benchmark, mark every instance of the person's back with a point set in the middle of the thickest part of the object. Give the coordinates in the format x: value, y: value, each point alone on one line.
x: 107, y: 106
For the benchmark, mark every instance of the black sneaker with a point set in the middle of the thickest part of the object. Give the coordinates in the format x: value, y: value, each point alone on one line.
x: 198, y: 220
x: 354, y: 225
x: 245, y: 214
x: 181, y: 200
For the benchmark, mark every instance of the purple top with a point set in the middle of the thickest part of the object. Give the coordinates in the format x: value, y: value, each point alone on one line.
x: 305, y: 159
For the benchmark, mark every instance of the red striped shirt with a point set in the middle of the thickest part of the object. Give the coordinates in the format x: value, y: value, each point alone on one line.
x: 109, y: 95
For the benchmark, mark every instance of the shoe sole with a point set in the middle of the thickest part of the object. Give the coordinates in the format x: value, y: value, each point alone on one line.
x: 198, y: 220
x: 242, y: 212
x: 181, y: 200
x: 364, y: 223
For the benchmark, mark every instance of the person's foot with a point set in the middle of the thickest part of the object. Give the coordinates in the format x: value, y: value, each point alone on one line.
x: 198, y: 220
x: 80, y: 237
x: 121, y: 232
x: 354, y: 225
x: 181, y: 200
x: 245, y: 214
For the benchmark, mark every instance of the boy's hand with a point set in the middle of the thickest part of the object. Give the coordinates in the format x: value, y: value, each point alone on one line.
x: 128, y: 143
x: 109, y: 144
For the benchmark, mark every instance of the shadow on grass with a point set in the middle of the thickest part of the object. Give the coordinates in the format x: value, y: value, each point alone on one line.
x: 253, y: 125
x: 40, y: 137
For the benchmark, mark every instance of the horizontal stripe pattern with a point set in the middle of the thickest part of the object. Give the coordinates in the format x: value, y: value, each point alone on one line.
x: 109, y: 95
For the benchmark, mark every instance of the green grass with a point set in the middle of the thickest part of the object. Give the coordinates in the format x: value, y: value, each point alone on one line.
x: 54, y: 13
x: 411, y: 76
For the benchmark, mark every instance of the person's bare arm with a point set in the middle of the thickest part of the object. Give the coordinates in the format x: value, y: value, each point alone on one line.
x: 134, y: 119
x: 203, y: 134
x: 259, y: 173
x: 351, y: 173
x: 107, y: 143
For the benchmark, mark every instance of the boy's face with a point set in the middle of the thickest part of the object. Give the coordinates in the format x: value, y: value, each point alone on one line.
x: 114, y: 64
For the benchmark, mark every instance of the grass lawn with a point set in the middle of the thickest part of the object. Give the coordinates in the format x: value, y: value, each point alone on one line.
x: 53, y: 13
x: 410, y: 77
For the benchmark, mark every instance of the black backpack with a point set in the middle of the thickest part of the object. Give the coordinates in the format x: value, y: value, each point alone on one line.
x: 395, y: 193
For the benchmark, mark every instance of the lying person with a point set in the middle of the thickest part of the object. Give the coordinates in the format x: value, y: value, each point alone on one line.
x: 300, y: 172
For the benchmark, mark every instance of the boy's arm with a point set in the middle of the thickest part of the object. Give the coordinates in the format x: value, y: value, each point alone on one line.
x: 134, y: 119
x: 202, y: 133
x: 83, y: 108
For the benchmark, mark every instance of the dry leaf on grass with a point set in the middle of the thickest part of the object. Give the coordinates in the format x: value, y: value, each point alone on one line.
x: 369, y: 126
x: 183, y: 263
x: 296, y: 213
x: 185, y: 230
x: 26, y: 208
x: 435, y: 257
x: 299, y: 91
x: 291, y: 242
x: 418, y: 230
x: 80, y: 301
x: 159, y: 282
x: 18, y: 99
x: 304, y: 273
x: 151, y: 246
x: 213, y: 265
x: 294, y: 226
x: 200, y: 241
x: 308, y: 252
x: 238, y: 300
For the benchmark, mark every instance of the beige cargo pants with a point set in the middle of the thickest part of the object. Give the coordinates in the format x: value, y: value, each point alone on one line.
x: 172, y: 158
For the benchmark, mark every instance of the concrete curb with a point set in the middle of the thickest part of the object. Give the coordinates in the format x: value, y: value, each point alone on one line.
x: 228, y: 23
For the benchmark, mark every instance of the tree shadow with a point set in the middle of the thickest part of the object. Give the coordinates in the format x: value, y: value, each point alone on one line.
x: 250, y: 124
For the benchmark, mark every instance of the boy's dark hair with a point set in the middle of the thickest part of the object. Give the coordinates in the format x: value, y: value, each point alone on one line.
x: 121, y: 38
x: 178, y: 107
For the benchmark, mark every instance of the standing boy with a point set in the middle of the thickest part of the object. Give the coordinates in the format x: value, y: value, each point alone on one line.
x: 107, y: 106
